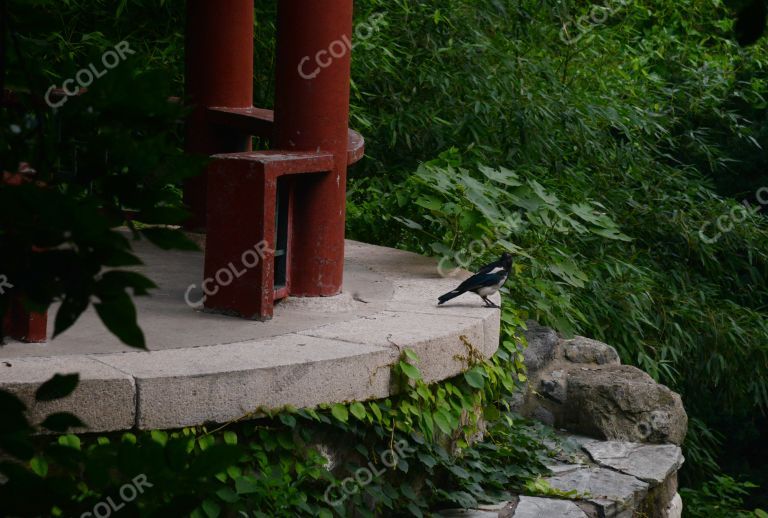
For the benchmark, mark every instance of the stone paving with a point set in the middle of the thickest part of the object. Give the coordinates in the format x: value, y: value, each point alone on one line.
x: 612, y: 479
x: 212, y: 368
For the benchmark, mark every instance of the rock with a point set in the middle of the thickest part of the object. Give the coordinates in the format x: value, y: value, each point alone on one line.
x: 649, y: 462
x: 495, y: 507
x: 543, y: 415
x: 542, y: 346
x: 558, y: 468
x: 533, y: 507
x: 615, y: 493
x: 620, y: 402
x: 552, y: 385
x: 586, y: 350
x: 466, y: 513
x: 675, y: 508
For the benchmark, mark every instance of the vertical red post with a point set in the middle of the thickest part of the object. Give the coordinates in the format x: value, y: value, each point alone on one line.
x: 239, y: 260
x: 219, y: 72
x: 23, y: 325
x: 311, y: 113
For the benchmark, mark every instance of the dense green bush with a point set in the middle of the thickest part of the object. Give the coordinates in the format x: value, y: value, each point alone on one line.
x: 643, y: 118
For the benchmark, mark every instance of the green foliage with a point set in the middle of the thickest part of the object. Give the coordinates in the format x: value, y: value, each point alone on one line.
x: 645, y: 122
x: 722, y: 497
x: 597, y: 164
x: 110, y: 150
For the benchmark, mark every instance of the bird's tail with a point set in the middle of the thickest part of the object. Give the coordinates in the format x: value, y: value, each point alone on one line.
x: 448, y: 296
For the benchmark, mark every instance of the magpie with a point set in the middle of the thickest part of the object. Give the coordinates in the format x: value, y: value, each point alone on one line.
x: 486, y: 282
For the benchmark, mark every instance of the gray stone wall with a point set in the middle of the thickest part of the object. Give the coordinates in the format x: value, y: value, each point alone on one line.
x: 620, y: 434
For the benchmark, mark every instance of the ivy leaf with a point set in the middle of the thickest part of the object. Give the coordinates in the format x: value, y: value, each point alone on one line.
x: 246, y: 485
x: 358, y: 410
x: 459, y: 472
x: 475, y: 378
x: 410, y: 371
x: 415, y: 511
x: 211, y: 508
x: 59, y: 386
x: 160, y: 437
x: 426, y: 459
x: 228, y: 495
x: 340, y: 412
x: 411, y: 355
x: 375, y: 409
x: 70, y: 441
x: 39, y: 466
x: 442, y: 422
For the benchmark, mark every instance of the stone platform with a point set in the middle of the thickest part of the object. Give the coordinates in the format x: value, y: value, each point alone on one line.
x: 204, y: 368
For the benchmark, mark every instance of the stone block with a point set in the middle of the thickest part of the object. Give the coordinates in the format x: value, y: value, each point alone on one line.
x: 534, y: 507
x: 104, y: 399
x: 586, y: 350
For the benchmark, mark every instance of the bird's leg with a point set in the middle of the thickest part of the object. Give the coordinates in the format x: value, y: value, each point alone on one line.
x: 490, y: 304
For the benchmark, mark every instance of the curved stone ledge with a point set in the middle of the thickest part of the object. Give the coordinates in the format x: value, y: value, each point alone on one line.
x: 211, y: 368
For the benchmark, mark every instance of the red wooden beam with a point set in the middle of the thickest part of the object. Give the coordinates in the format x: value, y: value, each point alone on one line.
x: 250, y: 121
x: 260, y: 123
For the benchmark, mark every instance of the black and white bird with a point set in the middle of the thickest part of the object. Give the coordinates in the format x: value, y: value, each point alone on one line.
x: 484, y: 283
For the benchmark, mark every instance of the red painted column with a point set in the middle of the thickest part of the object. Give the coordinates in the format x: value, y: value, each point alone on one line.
x: 23, y: 325
x: 219, y: 72
x: 311, y: 113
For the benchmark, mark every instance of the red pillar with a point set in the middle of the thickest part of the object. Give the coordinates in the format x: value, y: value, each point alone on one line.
x: 23, y: 325
x: 312, y: 113
x: 219, y: 72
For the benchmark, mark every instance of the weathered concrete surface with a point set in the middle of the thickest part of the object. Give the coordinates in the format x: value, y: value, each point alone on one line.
x: 104, y: 399
x: 203, y: 367
x: 437, y: 339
